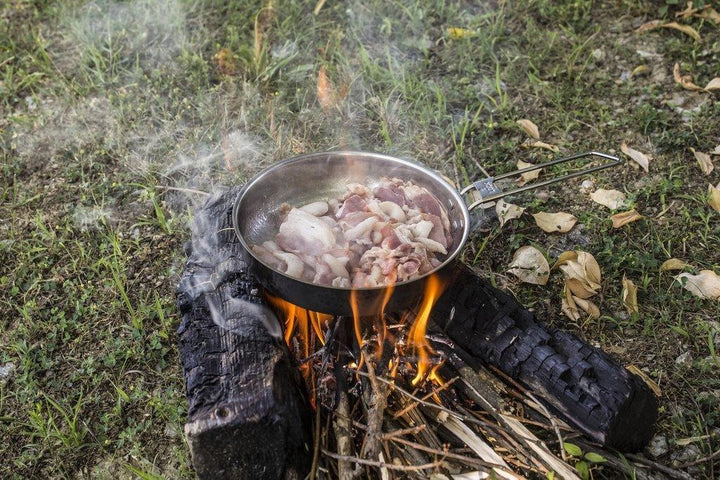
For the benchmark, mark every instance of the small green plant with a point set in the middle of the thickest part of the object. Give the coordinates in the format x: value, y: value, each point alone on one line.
x: 584, y: 462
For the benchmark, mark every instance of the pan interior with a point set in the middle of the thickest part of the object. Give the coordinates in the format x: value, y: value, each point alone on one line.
x: 314, y: 177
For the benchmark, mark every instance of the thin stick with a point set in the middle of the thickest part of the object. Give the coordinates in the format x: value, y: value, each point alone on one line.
x: 403, y: 431
x: 318, y: 6
x: 316, y: 446
x: 700, y: 460
x: 389, y: 466
x: 423, y: 402
x: 659, y: 467
x: 475, y: 462
x: 552, y: 422
x: 434, y: 392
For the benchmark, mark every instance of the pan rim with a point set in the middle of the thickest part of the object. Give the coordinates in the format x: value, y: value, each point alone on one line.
x: 337, y: 153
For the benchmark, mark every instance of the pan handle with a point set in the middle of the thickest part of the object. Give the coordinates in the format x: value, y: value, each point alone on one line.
x: 489, y: 192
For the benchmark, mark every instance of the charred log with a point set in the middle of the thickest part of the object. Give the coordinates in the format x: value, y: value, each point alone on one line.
x: 582, y: 384
x: 248, y: 415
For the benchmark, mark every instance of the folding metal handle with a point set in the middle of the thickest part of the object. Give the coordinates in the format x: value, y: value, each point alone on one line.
x: 489, y: 192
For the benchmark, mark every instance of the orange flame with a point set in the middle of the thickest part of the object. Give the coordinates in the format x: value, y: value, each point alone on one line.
x: 416, y: 337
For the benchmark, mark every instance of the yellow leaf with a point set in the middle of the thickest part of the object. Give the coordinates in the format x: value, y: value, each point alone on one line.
x: 581, y: 272
x: 684, y: 80
x: 629, y: 295
x: 507, y: 211
x: 673, y: 264
x: 555, y: 222
x: 527, y: 176
x: 620, y: 219
x: 713, y: 85
x: 650, y: 382
x: 709, y: 13
x: 640, y: 70
x: 706, y: 284
x: 714, y: 197
x: 611, y: 199
x: 686, y: 29
x: 706, y: 164
x: 639, y: 157
x: 530, y: 128
x: 530, y: 266
x: 457, y: 32
x: 539, y: 144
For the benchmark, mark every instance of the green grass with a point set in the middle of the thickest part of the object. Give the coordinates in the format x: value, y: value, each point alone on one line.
x: 113, y: 112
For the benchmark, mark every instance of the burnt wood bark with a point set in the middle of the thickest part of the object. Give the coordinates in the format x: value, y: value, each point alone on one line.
x: 248, y: 415
x: 581, y: 383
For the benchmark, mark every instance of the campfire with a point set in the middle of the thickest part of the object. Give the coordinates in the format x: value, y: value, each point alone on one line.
x: 465, y: 384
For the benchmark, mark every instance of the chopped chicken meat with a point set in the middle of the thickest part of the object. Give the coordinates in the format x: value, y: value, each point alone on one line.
x: 365, y: 238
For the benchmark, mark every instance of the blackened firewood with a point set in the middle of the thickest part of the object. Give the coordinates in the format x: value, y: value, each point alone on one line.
x: 582, y: 384
x: 248, y: 415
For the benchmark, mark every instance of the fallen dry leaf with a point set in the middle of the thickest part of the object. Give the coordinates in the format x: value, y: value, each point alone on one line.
x: 706, y: 284
x: 651, y: 25
x: 686, y: 29
x: 714, y: 197
x: 650, y: 382
x: 716, y: 151
x: 629, y: 295
x: 530, y: 266
x: 328, y: 95
x: 611, y: 199
x: 589, y: 307
x: 639, y: 157
x: 555, y: 222
x: 581, y: 272
x: 713, y: 85
x: 704, y: 160
x: 706, y: 12
x: 507, y: 211
x: 527, y: 176
x: 539, y: 144
x: 684, y: 80
x: 225, y: 62
x: 673, y: 264
x: 529, y: 127
x: 620, y: 219
x: 639, y: 71
x: 569, y: 307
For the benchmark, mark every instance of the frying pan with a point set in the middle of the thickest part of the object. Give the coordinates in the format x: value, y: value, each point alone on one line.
x: 308, y: 178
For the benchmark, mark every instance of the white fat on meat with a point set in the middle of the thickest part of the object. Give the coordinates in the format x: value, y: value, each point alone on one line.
x: 303, y: 232
x: 317, y: 209
x: 394, y: 211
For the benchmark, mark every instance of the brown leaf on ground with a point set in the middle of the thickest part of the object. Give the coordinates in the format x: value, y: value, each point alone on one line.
x: 706, y: 13
x: 581, y: 272
x: 555, y: 222
x: 326, y: 92
x: 569, y: 307
x: 714, y: 197
x: 706, y: 284
x: 588, y: 306
x: 650, y: 382
x: 539, y: 144
x: 704, y: 160
x: 629, y: 295
x: 225, y: 62
x: 527, y: 176
x: 716, y: 151
x: 713, y: 85
x: 507, y: 211
x: 530, y: 266
x: 684, y: 80
x: 529, y: 127
x: 646, y: 27
x: 686, y: 29
x: 673, y: 264
x: 639, y: 157
x: 623, y: 218
x: 611, y: 199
